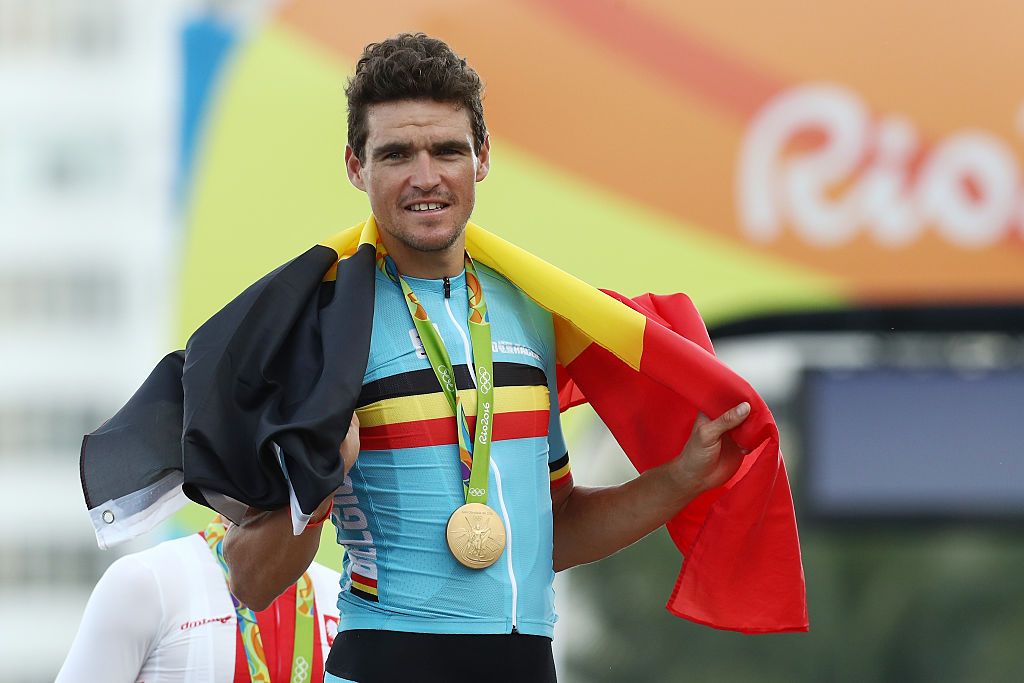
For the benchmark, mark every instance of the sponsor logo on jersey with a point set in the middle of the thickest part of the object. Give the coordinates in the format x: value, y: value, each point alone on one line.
x: 514, y: 349
x: 499, y: 346
x: 354, y: 534
x: 202, y: 622
x: 417, y: 343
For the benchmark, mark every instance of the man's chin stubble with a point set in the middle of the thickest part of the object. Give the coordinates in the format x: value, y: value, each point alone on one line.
x: 431, y: 246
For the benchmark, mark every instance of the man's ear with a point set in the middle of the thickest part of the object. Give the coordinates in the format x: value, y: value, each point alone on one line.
x: 354, y: 168
x: 484, y: 159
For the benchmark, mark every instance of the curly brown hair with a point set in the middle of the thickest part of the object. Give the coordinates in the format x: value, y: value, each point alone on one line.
x: 407, y: 67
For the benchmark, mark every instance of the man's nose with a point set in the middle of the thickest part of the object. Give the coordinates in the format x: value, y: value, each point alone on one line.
x: 425, y: 172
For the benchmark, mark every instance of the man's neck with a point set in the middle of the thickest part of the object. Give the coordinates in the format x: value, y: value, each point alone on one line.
x: 432, y: 265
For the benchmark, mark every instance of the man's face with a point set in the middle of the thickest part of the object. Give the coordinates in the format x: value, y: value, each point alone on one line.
x: 420, y: 171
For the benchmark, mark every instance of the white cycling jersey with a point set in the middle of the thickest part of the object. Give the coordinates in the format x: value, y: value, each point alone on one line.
x: 164, y: 615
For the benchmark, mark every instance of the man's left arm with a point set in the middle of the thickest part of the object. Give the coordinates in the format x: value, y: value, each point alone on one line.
x: 593, y: 523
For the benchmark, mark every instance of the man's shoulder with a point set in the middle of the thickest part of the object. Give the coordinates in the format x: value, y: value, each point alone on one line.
x: 154, y: 575
x: 175, y: 547
x: 489, y: 274
x: 498, y: 286
x: 165, y: 560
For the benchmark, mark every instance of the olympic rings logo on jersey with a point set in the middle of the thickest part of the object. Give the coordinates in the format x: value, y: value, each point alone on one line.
x: 484, y: 379
x: 474, y: 491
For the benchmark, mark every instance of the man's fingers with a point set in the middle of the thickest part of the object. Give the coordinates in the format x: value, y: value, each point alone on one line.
x: 353, y: 429
x: 698, y: 427
x: 712, y: 431
x: 351, y: 439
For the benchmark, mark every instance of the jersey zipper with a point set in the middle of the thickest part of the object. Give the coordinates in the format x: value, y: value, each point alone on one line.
x: 508, y: 548
x: 494, y: 467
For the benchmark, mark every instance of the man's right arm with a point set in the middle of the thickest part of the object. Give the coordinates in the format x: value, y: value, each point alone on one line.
x: 264, y: 556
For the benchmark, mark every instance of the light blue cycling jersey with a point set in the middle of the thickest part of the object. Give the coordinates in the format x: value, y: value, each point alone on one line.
x: 392, y: 512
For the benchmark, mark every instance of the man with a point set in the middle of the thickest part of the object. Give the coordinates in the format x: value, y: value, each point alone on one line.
x: 479, y: 606
x: 164, y: 615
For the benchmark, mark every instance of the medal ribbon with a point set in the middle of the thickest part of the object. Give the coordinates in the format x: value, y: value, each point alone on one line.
x: 474, y: 449
x: 302, y: 653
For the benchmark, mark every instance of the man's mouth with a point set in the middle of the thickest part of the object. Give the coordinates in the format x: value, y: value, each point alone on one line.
x: 427, y: 207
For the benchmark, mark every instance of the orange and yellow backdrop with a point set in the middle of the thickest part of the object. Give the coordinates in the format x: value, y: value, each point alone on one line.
x: 758, y: 156
x: 754, y: 155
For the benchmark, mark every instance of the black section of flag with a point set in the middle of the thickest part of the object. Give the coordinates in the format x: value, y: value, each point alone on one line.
x: 285, y: 368
x: 282, y: 363
x: 150, y: 425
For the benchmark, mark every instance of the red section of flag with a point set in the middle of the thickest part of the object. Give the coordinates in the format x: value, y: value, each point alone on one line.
x: 569, y: 395
x: 742, y: 569
x: 441, y: 431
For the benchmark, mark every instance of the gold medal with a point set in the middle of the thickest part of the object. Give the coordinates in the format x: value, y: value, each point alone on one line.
x: 476, y: 535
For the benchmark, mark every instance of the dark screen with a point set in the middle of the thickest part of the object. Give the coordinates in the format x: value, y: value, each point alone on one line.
x: 895, y: 442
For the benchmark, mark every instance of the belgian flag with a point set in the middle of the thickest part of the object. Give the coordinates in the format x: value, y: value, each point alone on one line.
x: 275, y: 375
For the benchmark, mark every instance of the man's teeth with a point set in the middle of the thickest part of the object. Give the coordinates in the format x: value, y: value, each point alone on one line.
x: 426, y: 207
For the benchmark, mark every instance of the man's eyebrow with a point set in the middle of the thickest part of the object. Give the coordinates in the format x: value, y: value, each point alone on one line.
x: 390, y: 148
x: 454, y: 143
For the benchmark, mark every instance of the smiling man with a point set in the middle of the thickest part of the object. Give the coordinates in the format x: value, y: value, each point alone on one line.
x: 458, y: 504
x: 423, y: 159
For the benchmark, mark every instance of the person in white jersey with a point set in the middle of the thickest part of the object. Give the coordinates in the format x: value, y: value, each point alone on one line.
x: 165, y: 615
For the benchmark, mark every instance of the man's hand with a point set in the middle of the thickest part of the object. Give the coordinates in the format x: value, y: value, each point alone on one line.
x: 349, y: 448
x: 591, y: 523
x: 710, y: 457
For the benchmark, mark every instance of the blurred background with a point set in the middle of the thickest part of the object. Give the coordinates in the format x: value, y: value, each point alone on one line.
x: 837, y: 185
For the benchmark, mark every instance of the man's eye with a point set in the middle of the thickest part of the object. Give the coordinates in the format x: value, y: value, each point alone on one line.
x: 393, y: 156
